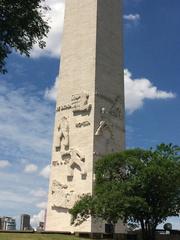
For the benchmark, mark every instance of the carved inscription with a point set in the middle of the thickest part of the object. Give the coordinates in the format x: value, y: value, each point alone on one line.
x: 83, y: 124
x: 79, y: 103
x: 63, y: 108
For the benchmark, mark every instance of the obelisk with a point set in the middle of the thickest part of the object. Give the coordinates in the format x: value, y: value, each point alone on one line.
x: 89, y: 120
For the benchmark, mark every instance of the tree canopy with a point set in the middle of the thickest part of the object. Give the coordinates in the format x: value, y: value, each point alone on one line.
x: 21, y: 26
x: 140, y: 186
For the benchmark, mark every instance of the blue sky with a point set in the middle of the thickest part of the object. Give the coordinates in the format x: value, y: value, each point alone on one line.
x: 28, y: 91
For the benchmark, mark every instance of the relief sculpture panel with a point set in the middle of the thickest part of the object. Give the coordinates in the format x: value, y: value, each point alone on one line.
x: 80, y: 103
x: 62, y: 196
x: 74, y: 159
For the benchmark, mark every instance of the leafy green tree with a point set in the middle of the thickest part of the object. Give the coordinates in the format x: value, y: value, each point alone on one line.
x: 140, y: 186
x: 21, y: 26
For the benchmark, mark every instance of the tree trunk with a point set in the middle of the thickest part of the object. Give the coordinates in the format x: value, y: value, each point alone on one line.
x: 113, y: 228
x: 148, y: 234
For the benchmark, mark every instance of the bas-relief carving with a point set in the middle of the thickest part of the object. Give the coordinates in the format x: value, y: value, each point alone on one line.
x: 55, y: 163
x: 74, y: 159
x: 105, y: 133
x: 63, y: 135
x: 57, y: 186
x: 104, y: 126
x: 116, y: 108
x: 63, y: 108
x: 83, y: 124
x: 62, y: 196
x: 80, y: 103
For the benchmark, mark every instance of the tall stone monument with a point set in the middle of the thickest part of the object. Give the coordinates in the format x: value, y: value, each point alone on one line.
x: 90, y: 106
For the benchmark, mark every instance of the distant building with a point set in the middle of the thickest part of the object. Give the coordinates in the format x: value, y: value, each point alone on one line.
x: 41, y: 226
x: 1, y: 226
x: 25, y: 222
x: 7, y: 224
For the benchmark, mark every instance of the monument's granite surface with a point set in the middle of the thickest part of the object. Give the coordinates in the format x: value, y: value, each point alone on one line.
x: 89, y: 119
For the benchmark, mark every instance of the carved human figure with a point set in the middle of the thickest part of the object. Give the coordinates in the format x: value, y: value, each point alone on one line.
x: 62, y: 197
x: 80, y: 102
x: 103, y: 125
x: 73, y: 159
x: 63, y: 134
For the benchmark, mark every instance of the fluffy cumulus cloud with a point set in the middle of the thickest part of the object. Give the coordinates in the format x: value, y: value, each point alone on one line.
x: 56, y: 19
x: 4, y: 163
x: 30, y: 168
x: 45, y: 172
x: 26, y: 124
x: 39, y: 193
x: 136, y: 92
x: 42, y: 205
x: 132, y: 17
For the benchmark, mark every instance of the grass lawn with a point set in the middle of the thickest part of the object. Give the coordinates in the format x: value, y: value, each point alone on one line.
x: 33, y: 236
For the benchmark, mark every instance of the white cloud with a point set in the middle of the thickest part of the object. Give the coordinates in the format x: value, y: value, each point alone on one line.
x: 25, y: 123
x: 13, y: 196
x: 42, y: 205
x: 4, y: 163
x: 30, y: 168
x: 56, y: 21
x: 138, y: 90
x: 51, y: 93
x: 132, y: 17
x: 36, y: 218
x: 39, y: 193
x: 45, y: 172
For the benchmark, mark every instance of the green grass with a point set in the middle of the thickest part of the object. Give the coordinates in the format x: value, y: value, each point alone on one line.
x: 33, y: 236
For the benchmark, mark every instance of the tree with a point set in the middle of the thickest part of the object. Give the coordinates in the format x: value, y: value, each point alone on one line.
x: 21, y: 26
x: 140, y: 186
